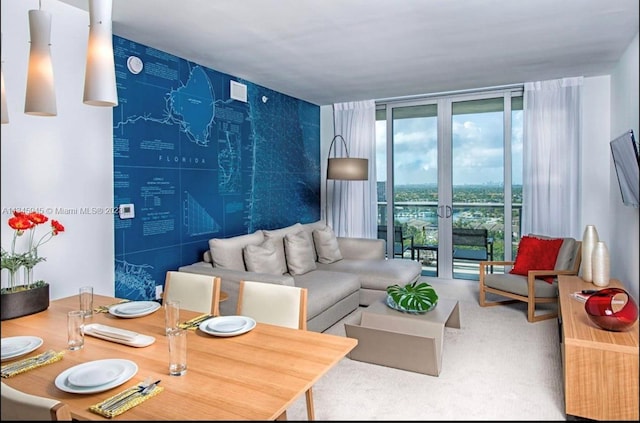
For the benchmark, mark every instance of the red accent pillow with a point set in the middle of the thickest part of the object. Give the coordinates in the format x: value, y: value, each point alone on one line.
x: 536, y: 254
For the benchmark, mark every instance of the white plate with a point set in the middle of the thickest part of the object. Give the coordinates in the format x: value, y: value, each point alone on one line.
x: 62, y: 380
x: 134, y: 309
x: 17, y: 346
x: 138, y: 341
x: 227, y: 325
x: 96, y: 374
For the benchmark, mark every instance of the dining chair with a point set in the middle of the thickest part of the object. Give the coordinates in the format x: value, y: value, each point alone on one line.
x: 280, y: 305
x: 196, y: 292
x: 18, y: 405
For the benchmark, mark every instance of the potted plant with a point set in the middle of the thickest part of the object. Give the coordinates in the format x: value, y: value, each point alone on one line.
x: 412, y: 298
x: 20, y: 299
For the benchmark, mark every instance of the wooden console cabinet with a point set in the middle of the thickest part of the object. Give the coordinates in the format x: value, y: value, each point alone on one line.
x: 600, y: 367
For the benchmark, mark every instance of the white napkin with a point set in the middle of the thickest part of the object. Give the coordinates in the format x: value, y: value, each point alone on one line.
x: 116, y: 333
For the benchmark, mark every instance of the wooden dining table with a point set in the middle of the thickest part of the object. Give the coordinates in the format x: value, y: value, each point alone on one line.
x: 253, y: 376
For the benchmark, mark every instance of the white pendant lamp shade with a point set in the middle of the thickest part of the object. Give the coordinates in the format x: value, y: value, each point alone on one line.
x: 100, y: 76
x: 40, y: 99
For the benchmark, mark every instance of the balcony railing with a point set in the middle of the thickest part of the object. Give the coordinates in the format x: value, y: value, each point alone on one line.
x: 420, y: 219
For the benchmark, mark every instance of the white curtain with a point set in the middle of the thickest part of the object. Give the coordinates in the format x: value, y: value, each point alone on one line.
x: 351, y: 205
x: 551, y: 143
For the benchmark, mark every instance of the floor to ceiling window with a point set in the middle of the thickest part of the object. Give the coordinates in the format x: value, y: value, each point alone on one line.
x: 450, y: 162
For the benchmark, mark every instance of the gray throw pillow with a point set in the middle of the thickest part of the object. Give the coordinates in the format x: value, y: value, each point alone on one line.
x: 310, y: 227
x: 326, y: 245
x: 226, y: 253
x: 263, y: 259
x: 298, y: 249
x: 277, y: 237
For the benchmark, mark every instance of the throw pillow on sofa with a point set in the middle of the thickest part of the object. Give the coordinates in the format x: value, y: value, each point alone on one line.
x: 277, y: 237
x: 298, y: 249
x: 263, y: 258
x: 226, y: 253
x: 326, y: 245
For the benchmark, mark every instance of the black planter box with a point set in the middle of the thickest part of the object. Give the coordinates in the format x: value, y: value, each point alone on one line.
x: 23, y: 303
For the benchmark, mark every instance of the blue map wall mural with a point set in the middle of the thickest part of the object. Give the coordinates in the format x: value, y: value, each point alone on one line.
x: 197, y: 164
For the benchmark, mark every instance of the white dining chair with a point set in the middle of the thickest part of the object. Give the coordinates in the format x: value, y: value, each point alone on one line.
x: 280, y: 305
x: 196, y: 292
x: 18, y: 405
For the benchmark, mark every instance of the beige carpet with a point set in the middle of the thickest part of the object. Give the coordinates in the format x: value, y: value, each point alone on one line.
x: 497, y: 366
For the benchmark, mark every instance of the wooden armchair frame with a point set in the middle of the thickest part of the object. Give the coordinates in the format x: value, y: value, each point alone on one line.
x: 530, y: 298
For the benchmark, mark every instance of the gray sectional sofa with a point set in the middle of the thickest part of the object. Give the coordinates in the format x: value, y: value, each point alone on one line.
x: 339, y: 273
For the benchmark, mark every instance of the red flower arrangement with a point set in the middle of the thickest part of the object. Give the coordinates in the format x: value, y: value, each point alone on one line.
x: 27, y: 222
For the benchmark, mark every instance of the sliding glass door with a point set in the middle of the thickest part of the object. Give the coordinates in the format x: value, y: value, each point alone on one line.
x: 448, y: 163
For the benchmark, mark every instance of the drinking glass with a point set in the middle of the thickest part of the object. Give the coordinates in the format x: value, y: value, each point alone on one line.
x: 171, y: 315
x: 177, y: 351
x: 75, y: 330
x: 86, y: 300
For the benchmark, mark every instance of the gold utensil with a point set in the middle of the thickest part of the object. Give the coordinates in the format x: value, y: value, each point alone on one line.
x: 195, y: 321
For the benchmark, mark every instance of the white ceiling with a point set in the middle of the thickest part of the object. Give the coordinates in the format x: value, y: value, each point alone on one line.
x: 329, y: 51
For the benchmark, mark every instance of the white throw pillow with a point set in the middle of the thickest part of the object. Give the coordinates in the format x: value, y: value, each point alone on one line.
x: 263, y: 258
x: 326, y: 245
x: 298, y: 249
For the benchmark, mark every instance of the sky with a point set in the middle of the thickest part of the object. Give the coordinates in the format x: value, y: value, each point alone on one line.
x: 477, y: 149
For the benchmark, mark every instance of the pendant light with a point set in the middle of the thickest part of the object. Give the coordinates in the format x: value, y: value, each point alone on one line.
x: 100, y: 75
x: 40, y: 99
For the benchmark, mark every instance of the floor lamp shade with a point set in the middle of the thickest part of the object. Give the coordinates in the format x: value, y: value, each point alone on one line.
x: 348, y: 169
x: 100, y: 75
x: 40, y: 99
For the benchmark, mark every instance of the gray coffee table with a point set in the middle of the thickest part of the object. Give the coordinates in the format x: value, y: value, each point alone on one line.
x: 403, y: 340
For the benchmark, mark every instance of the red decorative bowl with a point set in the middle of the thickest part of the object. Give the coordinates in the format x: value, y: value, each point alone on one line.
x: 608, y: 309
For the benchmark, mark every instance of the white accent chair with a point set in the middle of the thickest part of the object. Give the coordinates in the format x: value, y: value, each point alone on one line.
x: 18, y: 405
x: 279, y: 305
x: 195, y: 292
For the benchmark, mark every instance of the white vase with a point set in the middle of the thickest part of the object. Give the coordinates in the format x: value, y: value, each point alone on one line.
x: 589, y: 240
x: 600, y: 264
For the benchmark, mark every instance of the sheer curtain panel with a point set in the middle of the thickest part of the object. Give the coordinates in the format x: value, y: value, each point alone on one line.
x: 351, y: 205
x: 551, y: 142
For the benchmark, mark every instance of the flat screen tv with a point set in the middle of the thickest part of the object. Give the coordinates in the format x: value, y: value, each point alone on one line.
x: 627, y: 163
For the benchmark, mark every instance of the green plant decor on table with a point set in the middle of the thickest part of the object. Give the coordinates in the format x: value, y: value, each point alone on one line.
x: 412, y: 298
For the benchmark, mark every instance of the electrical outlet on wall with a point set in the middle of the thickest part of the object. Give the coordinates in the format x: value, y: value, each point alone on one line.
x: 158, y: 292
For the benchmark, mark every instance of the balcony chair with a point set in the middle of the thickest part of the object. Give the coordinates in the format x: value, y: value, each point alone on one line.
x: 280, y: 305
x: 196, y: 292
x: 401, y: 242
x: 530, y: 288
x: 472, y: 245
x: 18, y: 405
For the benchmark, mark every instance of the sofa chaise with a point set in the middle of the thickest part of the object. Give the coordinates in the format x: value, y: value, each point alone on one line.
x: 339, y: 273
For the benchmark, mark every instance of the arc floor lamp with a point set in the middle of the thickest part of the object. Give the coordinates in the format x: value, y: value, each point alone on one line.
x: 343, y: 169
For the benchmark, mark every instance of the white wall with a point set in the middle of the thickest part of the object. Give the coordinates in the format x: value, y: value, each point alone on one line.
x: 594, y: 153
x: 623, y: 246
x: 57, y: 162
